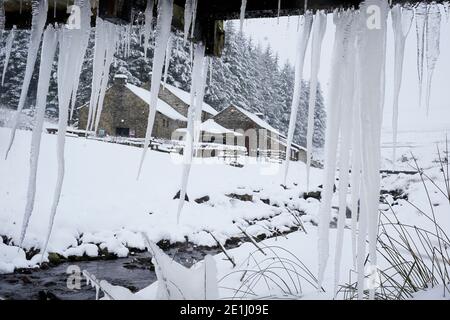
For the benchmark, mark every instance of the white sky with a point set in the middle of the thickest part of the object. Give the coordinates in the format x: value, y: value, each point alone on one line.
x: 282, y: 39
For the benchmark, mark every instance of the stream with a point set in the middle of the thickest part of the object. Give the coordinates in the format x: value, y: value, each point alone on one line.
x: 134, y: 272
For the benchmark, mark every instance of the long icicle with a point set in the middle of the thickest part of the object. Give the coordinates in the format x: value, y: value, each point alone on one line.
x: 49, y: 44
x: 303, y: 37
x: 356, y: 165
x: 242, y: 14
x: 8, y: 48
x: 401, y: 23
x: 341, y: 19
x: 148, y: 25
x: 167, y: 62
x: 164, y: 22
x: 195, y: 107
x: 421, y: 17
x: 187, y: 18
x: 97, y: 68
x: 84, y: 34
x: 346, y: 130
x: 69, y: 43
x: 39, y: 12
x: 319, y: 27
x: 194, y: 17
x: 109, y: 55
x: 433, y: 33
x: 372, y: 47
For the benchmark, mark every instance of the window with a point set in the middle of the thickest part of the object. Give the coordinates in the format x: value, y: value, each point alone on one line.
x: 123, y: 132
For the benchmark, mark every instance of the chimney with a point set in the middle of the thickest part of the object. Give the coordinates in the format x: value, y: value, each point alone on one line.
x: 120, y: 79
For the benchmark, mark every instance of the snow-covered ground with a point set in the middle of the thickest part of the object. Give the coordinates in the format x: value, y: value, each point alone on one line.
x: 104, y: 204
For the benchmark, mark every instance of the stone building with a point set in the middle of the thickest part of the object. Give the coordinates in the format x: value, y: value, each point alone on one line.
x: 125, y: 111
x: 259, y: 138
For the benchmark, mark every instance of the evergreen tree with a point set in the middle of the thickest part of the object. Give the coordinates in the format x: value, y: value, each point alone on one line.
x: 246, y: 75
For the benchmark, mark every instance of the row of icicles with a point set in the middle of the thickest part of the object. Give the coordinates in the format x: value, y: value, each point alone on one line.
x: 354, y: 112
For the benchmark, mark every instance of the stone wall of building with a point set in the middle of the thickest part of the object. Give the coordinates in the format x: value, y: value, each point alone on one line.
x: 123, y: 109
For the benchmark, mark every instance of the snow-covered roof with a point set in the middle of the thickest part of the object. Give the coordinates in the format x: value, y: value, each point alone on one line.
x: 162, y: 107
x: 120, y: 76
x: 210, y: 126
x: 260, y: 122
x: 186, y: 98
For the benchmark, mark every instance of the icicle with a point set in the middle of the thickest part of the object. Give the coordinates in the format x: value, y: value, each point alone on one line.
x: 372, y: 47
x: 83, y: 34
x: 356, y: 164
x: 319, y: 27
x: 195, y: 107
x: 433, y: 34
x: 341, y: 20
x: 65, y: 73
x: 148, y: 25
x: 346, y: 126
x: 278, y: 13
x: 303, y: 37
x: 187, y: 18
x: 210, y: 71
x: 167, y: 62
x: 2, y: 15
x: 69, y: 44
x: 109, y: 55
x: 97, y: 70
x: 401, y: 23
x: 54, y: 9
x: 47, y: 56
x: 200, y: 92
x: 194, y: 16
x: 242, y: 15
x: 39, y: 9
x: 421, y: 16
x: 97, y: 292
x: 8, y: 48
x: 446, y: 9
x: 164, y: 22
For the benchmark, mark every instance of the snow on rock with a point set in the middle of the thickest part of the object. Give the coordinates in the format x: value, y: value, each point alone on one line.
x: 117, y: 207
x: 176, y: 282
x: 88, y: 249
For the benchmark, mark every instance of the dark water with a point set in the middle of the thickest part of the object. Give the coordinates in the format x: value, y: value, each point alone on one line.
x: 135, y: 273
